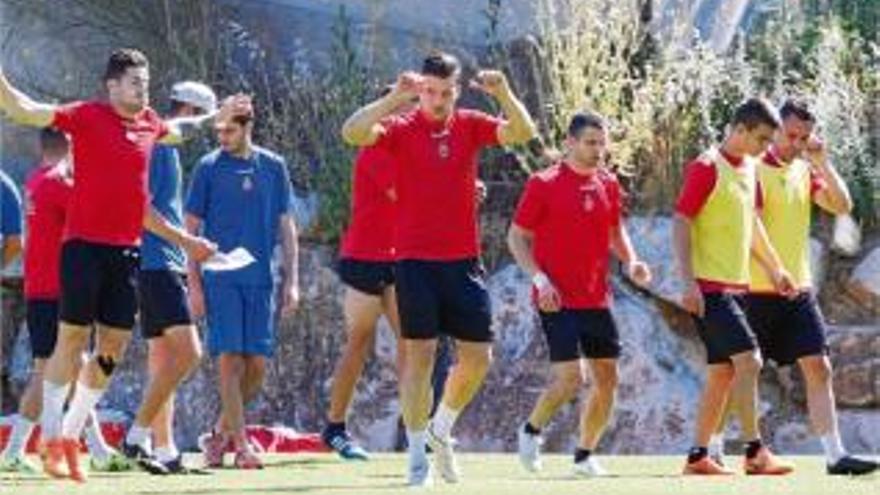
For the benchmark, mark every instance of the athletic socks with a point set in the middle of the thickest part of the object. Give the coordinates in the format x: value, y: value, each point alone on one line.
x: 167, y: 453
x: 833, y: 447
x: 443, y: 421
x: 95, y: 438
x: 84, y: 401
x: 581, y: 455
x: 753, y: 447
x: 716, y: 445
x: 531, y: 430
x: 22, y: 428
x: 697, y: 453
x: 140, y: 436
x: 54, y: 396
x: 417, y: 443
x: 335, y: 428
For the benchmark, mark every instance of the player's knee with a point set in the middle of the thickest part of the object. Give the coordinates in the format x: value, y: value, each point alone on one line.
x: 190, y: 357
x: 569, y: 383
x: 606, y: 384
x: 817, y: 370
x: 71, y: 342
x: 748, y: 365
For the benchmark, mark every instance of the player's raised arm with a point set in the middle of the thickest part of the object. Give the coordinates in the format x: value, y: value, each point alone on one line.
x: 21, y: 109
x: 363, y: 127
x: 519, y: 127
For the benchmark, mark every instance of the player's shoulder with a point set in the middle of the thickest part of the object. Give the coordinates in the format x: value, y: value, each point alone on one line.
x: 210, y: 159
x: 547, y: 175
x: 607, y: 176
x: 269, y: 157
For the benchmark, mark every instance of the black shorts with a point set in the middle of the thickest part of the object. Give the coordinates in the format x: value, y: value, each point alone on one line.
x: 42, y: 325
x: 724, y: 329
x: 369, y: 277
x: 787, y: 329
x: 163, y: 301
x: 98, y: 284
x: 443, y: 297
x: 580, y: 333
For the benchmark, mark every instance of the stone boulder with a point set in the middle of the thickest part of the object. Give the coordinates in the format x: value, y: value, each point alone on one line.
x: 864, y: 284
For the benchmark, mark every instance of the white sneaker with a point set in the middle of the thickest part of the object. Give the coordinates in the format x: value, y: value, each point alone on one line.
x: 589, y: 468
x: 529, y: 447
x: 18, y: 464
x: 420, y: 473
x: 445, y: 454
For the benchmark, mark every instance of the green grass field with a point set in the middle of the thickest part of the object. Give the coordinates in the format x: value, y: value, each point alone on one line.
x: 484, y: 474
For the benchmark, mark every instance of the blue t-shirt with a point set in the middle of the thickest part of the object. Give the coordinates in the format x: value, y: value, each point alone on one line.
x: 10, y: 207
x: 165, y: 197
x: 240, y: 202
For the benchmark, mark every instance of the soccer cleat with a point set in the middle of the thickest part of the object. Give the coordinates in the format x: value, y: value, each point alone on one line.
x: 110, y: 462
x: 70, y: 449
x: 529, y: 448
x: 444, y: 452
x: 766, y: 463
x: 18, y: 464
x: 849, y: 465
x: 213, y: 446
x: 247, y: 459
x: 341, y: 442
x: 705, y: 466
x: 144, y: 459
x: 176, y: 466
x: 589, y: 468
x: 52, y: 455
x: 420, y: 473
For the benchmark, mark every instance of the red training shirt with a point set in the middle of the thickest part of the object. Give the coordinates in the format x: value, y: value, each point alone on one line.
x: 571, y: 216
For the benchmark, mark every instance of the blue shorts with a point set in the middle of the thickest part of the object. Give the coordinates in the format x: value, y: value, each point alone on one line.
x: 240, y: 319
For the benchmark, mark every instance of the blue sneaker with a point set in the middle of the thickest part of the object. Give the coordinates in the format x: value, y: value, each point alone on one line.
x: 344, y: 445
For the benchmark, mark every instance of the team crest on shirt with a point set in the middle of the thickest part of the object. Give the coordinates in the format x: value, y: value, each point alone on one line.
x: 589, y: 203
x: 443, y: 150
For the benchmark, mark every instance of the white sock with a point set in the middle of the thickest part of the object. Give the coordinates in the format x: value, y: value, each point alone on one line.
x: 167, y: 453
x: 139, y: 435
x: 833, y: 446
x: 443, y: 421
x: 84, y: 401
x: 716, y: 445
x: 22, y: 428
x: 54, y: 396
x: 417, y: 441
x: 95, y: 438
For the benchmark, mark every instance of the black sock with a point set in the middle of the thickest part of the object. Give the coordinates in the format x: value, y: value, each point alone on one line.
x: 581, y: 455
x: 697, y: 453
x: 531, y: 430
x: 753, y: 447
x: 335, y: 427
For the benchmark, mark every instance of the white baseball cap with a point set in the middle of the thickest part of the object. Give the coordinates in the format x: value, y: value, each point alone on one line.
x: 196, y: 94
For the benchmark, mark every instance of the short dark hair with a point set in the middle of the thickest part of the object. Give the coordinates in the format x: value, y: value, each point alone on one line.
x: 797, y: 108
x: 121, y: 60
x: 754, y: 112
x: 441, y: 64
x: 582, y: 120
x: 51, y: 139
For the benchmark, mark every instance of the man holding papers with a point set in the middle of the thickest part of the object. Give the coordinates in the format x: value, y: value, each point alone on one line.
x: 239, y: 199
